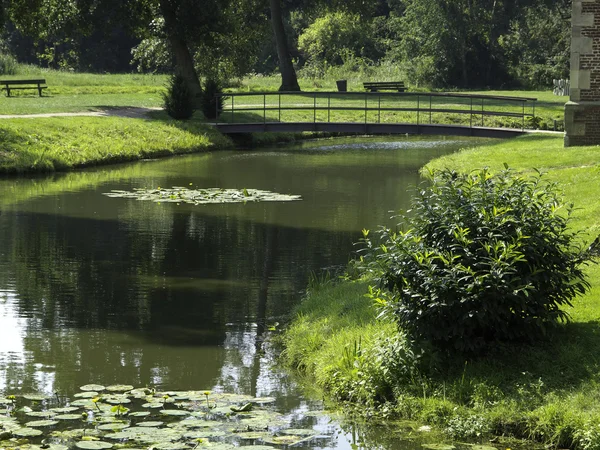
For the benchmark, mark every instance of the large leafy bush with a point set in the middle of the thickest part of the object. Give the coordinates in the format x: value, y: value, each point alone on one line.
x: 487, y: 259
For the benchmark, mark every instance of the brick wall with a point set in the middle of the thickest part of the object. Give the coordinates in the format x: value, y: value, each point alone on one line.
x: 582, y: 113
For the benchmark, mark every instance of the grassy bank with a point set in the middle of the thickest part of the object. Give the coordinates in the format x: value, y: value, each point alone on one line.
x: 61, y: 143
x: 548, y: 393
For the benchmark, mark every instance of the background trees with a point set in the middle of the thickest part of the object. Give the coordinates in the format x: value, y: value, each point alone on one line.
x: 434, y: 43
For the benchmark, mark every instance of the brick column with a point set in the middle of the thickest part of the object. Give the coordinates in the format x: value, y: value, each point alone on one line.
x: 582, y: 112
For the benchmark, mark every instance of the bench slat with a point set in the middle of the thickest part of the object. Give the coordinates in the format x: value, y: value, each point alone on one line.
x: 40, y: 81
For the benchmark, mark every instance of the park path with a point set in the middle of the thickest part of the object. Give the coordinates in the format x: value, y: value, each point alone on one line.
x: 129, y: 111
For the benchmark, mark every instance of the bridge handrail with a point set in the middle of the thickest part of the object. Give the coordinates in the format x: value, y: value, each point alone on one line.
x: 423, y: 104
x: 382, y: 94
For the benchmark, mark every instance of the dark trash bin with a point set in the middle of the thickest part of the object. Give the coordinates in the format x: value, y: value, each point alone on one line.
x: 342, y: 85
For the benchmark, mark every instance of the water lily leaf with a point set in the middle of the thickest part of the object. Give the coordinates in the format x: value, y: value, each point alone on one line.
x: 27, y: 432
x: 64, y: 409
x: 119, y: 388
x: 155, y: 423
x: 41, y: 423
x: 203, y: 434
x: 244, y: 408
x: 174, y: 412
x: 438, y: 446
x: 152, y: 405
x: 172, y: 446
x: 283, y: 440
x: 86, y: 394
x: 253, y: 435
x: 113, y: 426
x: 140, y: 413
x: 46, y: 413
x: 197, y: 423
x: 482, y: 447
x: 93, y: 445
x: 35, y: 397
x: 115, y: 399
x: 67, y: 417
x: 92, y: 387
x: 299, y: 431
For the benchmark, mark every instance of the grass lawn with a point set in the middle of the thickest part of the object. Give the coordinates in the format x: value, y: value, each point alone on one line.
x: 549, y: 392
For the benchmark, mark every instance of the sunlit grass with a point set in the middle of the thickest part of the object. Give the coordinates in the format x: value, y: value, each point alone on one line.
x: 549, y: 392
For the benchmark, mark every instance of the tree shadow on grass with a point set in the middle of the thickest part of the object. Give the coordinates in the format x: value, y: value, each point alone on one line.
x: 567, y: 360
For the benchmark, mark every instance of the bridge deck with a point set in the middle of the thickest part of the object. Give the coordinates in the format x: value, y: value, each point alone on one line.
x: 369, y: 128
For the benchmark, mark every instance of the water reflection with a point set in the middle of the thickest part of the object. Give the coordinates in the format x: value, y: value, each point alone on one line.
x: 102, y: 290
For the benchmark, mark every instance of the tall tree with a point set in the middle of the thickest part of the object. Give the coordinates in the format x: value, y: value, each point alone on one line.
x: 289, y: 80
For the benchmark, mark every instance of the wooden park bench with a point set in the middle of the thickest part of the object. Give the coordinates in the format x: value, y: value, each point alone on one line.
x: 375, y: 86
x: 10, y: 85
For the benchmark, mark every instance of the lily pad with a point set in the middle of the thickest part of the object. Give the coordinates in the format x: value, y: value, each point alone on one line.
x: 198, y: 423
x: 41, y: 423
x: 264, y: 400
x: 64, y: 409
x: 253, y: 435
x: 67, y: 417
x: 86, y: 394
x: 113, y: 426
x: 299, y: 431
x: 482, y: 447
x: 119, y: 388
x: 35, y: 397
x: 92, y: 387
x: 27, y: 432
x: 93, y: 445
x: 283, y: 440
x: 202, y: 196
x: 153, y: 405
x: 174, y: 412
x: 46, y: 413
x: 438, y: 446
x: 204, y: 434
x: 172, y: 446
x: 116, y: 399
x: 155, y: 423
x: 140, y: 413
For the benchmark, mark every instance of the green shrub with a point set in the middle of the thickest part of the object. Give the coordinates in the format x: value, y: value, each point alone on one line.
x: 8, y: 64
x: 487, y: 259
x: 210, y: 101
x: 178, y: 100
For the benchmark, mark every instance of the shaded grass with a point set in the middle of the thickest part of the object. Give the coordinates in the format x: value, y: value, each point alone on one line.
x: 548, y: 392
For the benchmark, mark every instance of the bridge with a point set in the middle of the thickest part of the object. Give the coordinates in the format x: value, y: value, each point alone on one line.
x: 376, y: 113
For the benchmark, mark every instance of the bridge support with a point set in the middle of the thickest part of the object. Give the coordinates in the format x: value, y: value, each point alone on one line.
x: 582, y: 112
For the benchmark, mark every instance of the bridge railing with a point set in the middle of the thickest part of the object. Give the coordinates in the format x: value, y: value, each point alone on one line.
x: 378, y: 107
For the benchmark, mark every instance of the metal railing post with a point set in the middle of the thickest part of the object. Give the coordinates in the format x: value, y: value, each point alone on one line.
x: 366, y: 106
x: 482, y: 100
x: 430, y: 98
x: 232, y: 109
x: 471, y: 115
x: 378, y: 108
x: 418, y: 108
x: 264, y: 108
x: 328, y: 107
x: 315, y: 108
x: 523, y: 123
x: 279, y: 107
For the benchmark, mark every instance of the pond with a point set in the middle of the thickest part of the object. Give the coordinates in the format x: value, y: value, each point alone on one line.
x: 175, y: 296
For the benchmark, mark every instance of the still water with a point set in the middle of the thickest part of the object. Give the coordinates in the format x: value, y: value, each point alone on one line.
x: 109, y: 290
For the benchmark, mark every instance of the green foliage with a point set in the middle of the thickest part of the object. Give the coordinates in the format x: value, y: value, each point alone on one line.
x: 487, y: 259
x: 329, y: 38
x: 178, y: 100
x: 8, y: 64
x: 211, y: 103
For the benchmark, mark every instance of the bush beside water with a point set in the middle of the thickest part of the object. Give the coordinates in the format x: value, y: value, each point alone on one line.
x: 539, y: 382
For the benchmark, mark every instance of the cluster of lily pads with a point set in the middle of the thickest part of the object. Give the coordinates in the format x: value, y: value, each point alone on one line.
x: 120, y: 416
x: 202, y: 196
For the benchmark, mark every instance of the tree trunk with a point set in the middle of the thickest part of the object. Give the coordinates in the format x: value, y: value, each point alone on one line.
x: 289, y: 81
x: 184, y: 63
